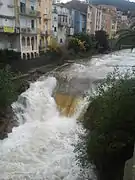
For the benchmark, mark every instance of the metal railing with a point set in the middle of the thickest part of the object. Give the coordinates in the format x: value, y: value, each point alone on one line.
x: 29, y: 12
x: 29, y: 30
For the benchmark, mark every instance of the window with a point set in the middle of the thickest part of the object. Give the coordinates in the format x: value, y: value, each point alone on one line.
x: 55, y: 10
x: 22, y: 7
x: 39, y: 2
x: 55, y: 29
x: 32, y: 24
x: 40, y: 20
x: 61, y: 41
x: 32, y: 8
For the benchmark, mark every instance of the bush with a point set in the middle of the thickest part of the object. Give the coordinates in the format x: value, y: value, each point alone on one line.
x: 110, y: 125
x: 8, y: 56
x: 87, y: 39
x: 8, y: 90
x: 76, y: 44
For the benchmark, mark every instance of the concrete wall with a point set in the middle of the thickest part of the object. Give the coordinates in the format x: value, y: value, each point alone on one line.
x: 9, y: 41
x: 128, y: 170
x: 5, y: 10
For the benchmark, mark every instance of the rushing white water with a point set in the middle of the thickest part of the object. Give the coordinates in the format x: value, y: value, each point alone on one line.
x: 42, y: 147
x: 99, y: 67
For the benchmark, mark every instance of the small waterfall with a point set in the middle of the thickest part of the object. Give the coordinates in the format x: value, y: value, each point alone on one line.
x: 42, y: 147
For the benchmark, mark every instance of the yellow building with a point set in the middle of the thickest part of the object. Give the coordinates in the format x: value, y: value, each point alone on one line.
x: 45, y: 23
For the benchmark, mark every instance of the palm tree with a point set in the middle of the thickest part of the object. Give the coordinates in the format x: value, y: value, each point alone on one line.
x: 126, y: 36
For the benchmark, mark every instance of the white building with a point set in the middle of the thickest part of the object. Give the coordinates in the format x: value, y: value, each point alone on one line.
x: 61, y: 23
x: 96, y: 16
x: 98, y: 24
x: 89, y: 19
x: 9, y: 34
x: 18, y: 27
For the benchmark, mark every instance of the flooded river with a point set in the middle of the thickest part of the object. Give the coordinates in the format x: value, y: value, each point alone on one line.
x: 42, y: 147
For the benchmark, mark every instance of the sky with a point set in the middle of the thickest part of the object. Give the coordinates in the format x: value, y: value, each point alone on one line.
x: 108, y: 0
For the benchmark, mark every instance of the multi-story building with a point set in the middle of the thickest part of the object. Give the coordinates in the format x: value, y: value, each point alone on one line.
x: 123, y: 20
x: 98, y: 24
x: 28, y: 17
x: 106, y: 22
x: 62, y: 23
x: 18, y: 22
x: 9, y: 33
x: 80, y: 21
x: 45, y: 23
x: 89, y: 20
x: 114, y: 27
x: 109, y: 19
x: 79, y: 15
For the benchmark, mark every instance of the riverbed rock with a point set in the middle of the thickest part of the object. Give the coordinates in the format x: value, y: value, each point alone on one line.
x: 7, y: 122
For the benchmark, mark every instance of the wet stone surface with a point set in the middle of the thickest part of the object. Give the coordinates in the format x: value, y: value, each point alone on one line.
x: 74, y: 86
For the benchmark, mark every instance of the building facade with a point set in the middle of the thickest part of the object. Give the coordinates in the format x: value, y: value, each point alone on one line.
x: 109, y: 19
x: 89, y: 20
x: 18, y: 22
x: 9, y: 34
x: 44, y: 23
x: 79, y: 21
x: 28, y: 18
x: 79, y: 15
x: 62, y: 23
x: 106, y: 22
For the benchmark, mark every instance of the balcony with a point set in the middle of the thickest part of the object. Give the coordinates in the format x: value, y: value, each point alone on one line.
x: 29, y: 12
x: 47, y: 17
x: 55, y: 11
x: 46, y: 33
x: 10, y: 6
x: 70, y: 31
x: 61, y: 23
x: 29, y: 30
x: 26, y: 48
x: 9, y: 29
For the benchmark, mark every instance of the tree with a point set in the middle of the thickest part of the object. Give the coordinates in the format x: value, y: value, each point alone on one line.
x: 102, y: 41
x: 126, y: 36
x: 110, y: 127
x: 86, y: 38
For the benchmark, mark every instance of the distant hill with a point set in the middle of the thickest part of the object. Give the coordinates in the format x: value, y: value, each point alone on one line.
x: 123, y: 5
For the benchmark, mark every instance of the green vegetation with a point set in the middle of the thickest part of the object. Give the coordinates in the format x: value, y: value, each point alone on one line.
x: 8, y: 89
x: 126, y: 36
x: 102, y: 44
x: 79, y: 46
x: 8, y: 56
x: 110, y: 127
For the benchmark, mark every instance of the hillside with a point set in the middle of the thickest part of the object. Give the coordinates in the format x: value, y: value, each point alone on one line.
x: 123, y: 5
